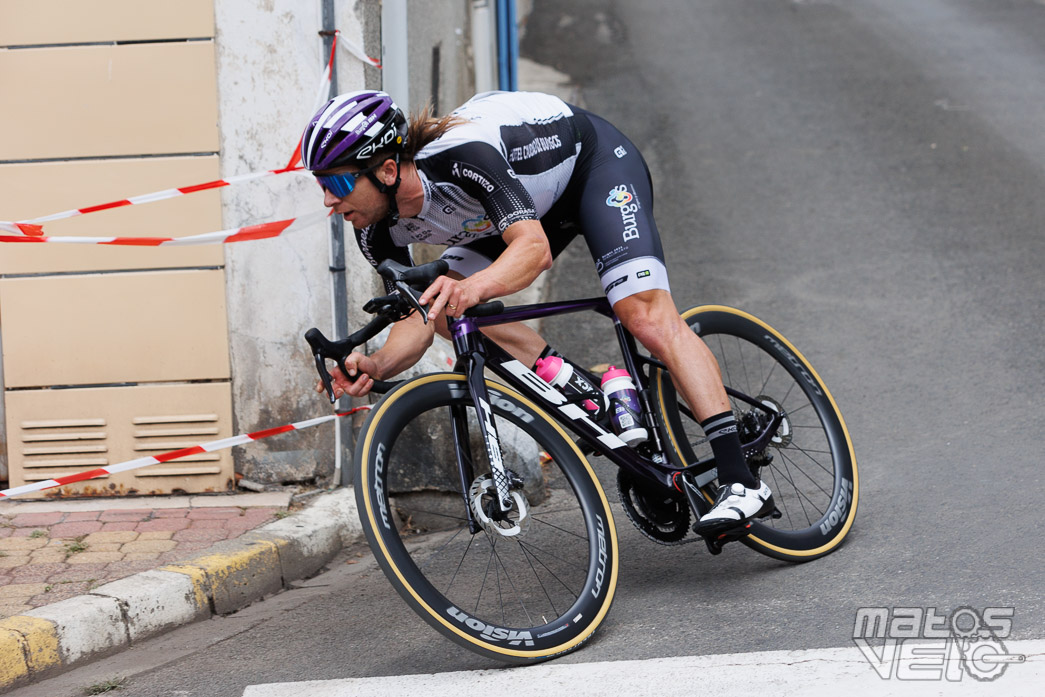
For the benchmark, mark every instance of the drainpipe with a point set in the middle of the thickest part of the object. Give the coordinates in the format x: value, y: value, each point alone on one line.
x: 507, y: 46
x: 338, y: 284
x: 395, y: 74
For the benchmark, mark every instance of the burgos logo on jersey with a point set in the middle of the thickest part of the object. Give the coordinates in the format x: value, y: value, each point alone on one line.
x: 621, y: 198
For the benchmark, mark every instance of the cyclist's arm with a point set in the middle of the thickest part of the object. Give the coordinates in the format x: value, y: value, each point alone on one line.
x: 407, y: 342
x: 527, y: 256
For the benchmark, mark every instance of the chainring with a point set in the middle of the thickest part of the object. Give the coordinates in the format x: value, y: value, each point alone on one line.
x: 662, y: 518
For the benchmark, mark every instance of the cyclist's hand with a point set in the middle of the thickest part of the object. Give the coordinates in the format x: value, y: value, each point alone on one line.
x: 359, y: 383
x: 449, y: 294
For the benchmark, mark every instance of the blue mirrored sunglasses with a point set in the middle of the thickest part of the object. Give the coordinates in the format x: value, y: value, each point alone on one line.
x: 341, y: 185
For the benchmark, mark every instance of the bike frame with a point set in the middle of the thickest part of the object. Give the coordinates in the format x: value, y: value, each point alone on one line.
x: 476, y: 352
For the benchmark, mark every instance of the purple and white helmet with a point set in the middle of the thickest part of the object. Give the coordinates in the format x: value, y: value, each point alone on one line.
x: 351, y: 128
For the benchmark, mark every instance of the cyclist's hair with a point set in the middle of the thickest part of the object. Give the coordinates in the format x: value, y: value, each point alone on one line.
x: 426, y: 127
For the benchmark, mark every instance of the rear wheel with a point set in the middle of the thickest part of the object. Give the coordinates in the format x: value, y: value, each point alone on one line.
x: 525, y: 587
x: 809, y: 463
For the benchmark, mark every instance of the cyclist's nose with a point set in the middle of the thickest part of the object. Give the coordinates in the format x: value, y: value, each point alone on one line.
x: 329, y: 199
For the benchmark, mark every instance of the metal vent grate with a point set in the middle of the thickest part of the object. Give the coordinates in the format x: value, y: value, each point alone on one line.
x: 61, y: 447
x: 164, y: 433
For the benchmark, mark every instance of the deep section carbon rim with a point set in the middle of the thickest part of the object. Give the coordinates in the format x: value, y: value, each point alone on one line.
x: 527, y: 586
x: 811, y: 468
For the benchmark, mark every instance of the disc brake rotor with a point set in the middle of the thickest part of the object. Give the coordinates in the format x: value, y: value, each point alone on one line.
x: 482, y: 496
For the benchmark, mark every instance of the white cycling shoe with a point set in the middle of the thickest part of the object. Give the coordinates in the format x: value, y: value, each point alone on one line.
x: 735, y: 506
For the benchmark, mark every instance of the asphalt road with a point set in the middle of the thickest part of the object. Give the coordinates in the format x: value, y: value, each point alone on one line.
x: 867, y: 177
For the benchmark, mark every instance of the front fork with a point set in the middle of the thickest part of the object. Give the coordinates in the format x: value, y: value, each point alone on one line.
x: 474, y: 363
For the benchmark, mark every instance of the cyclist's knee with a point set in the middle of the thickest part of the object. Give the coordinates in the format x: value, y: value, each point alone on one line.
x: 651, y: 317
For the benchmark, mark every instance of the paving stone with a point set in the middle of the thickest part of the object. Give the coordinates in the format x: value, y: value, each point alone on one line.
x: 236, y: 528
x: 163, y: 525
x: 157, y: 546
x: 261, y: 514
x: 49, y: 569
x: 61, y: 591
x: 83, y: 572
x: 21, y: 590
x: 116, y: 515
x: 126, y: 567
x: 94, y: 557
x: 105, y: 547
x: 122, y: 526
x: 117, y: 537
x: 211, y: 523
x: 214, y: 513
x: 46, y: 556
x: 171, y: 513
x: 141, y: 556
x: 84, y: 527
x: 13, y: 560
x: 79, y: 516
x: 24, y: 544
x: 29, y: 532
x: 35, y: 520
x: 155, y: 534
x: 5, y: 532
x: 199, y: 535
x: 13, y: 608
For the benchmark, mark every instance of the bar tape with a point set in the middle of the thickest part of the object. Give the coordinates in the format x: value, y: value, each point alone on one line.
x: 223, y: 444
x: 260, y: 231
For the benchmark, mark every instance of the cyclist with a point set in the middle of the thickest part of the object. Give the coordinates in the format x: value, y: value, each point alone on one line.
x: 507, y: 181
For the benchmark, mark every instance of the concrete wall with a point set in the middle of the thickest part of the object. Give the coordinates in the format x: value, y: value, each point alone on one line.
x: 269, y: 58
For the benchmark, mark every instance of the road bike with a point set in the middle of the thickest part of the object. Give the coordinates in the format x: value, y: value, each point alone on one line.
x: 482, y: 509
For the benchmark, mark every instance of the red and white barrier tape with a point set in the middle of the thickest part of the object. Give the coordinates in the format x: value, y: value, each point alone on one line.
x: 145, y: 198
x: 211, y: 447
x: 260, y: 231
x: 34, y: 227
x: 360, y: 54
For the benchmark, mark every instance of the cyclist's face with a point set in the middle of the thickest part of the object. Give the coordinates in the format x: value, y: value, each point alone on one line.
x: 364, y: 204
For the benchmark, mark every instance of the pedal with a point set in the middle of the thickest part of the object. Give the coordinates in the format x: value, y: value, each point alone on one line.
x: 716, y: 542
x: 775, y: 514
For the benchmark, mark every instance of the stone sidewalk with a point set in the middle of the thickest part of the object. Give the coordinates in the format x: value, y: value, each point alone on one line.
x: 84, y: 579
x: 48, y: 556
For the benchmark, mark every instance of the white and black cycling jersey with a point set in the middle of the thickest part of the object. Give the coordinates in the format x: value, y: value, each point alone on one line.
x: 510, y: 161
x: 530, y: 156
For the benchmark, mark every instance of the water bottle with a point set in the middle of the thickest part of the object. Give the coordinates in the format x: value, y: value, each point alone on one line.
x: 625, y: 407
x: 559, y: 373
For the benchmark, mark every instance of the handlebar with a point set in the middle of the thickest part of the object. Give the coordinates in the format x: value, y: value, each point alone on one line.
x: 410, y: 283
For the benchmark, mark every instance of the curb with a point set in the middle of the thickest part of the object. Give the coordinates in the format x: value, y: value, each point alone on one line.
x: 220, y: 580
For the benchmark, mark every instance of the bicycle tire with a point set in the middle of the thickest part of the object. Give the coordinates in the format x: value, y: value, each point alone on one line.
x: 813, y: 474
x: 551, y: 584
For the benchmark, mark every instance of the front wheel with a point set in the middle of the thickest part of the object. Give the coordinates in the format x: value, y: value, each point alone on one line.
x: 522, y: 588
x: 809, y: 462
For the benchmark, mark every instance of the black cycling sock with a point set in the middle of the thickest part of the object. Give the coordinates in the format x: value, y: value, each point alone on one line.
x: 721, y: 430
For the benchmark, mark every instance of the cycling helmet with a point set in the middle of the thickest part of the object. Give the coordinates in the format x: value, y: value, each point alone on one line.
x: 351, y: 128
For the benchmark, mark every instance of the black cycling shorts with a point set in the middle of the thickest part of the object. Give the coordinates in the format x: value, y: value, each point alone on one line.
x: 609, y: 200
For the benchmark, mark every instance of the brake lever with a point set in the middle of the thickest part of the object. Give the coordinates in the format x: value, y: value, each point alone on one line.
x: 413, y: 297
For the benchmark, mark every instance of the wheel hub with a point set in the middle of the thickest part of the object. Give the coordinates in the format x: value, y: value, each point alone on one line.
x: 482, y: 496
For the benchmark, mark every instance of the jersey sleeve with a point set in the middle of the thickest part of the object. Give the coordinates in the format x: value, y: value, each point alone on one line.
x: 481, y: 171
x: 376, y: 244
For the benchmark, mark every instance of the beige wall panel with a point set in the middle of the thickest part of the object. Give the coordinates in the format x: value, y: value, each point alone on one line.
x: 87, y: 101
x: 31, y: 22
x: 31, y: 190
x: 53, y: 433
x: 137, y: 327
